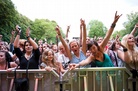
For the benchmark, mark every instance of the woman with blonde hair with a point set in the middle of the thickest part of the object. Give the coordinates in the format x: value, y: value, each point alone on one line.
x: 49, y: 63
x: 129, y: 42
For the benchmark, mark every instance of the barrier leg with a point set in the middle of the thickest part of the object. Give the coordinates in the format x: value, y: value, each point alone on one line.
x: 85, y: 84
x: 11, y: 84
x: 111, y: 81
x: 36, y: 85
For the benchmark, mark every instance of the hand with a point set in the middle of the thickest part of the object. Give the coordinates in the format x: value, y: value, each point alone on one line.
x: 73, y: 66
x: 136, y: 26
x: 48, y: 68
x: 68, y: 27
x: 58, y: 30
x: 117, y: 37
x: 116, y: 17
x: 13, y: 32
x: 82, y: 23
x: 27, y: 32
x: 18, y: 28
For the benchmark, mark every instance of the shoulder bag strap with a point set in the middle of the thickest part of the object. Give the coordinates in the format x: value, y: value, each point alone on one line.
x: 115, y: 59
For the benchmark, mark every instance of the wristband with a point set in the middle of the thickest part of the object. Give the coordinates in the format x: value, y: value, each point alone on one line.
x: 124, y: 49
x: 113, y: 25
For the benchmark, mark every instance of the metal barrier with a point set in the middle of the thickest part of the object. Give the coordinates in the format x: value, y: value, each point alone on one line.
x: 80, y: 79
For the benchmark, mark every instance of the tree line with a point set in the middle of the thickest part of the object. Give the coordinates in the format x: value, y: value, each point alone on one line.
x: 45, y: 29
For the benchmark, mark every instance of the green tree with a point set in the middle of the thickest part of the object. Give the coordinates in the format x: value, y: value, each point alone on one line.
x: 129, y: 25
x: 44, y: 29
x: 9, y: 18
x: 96, y: 28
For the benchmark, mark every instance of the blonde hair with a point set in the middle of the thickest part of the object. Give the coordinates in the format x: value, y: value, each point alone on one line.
x: 45, y: 60
x: 133, y: 53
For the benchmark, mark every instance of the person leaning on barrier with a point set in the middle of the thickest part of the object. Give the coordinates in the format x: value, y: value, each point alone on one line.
x: 30, y: 52
x: 97, y: 51
x: 49, y: 63
x: 5, y: 64
x: 130, y: 54
x: 75, y: 52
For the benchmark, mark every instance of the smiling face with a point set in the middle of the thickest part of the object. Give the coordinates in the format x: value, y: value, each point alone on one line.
x: 130, y: 40
x: 50, y: 56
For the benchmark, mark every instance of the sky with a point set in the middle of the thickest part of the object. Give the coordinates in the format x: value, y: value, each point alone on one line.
x: 69, y: 12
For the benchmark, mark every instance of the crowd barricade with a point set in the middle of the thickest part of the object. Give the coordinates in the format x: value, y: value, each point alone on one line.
x: 80, y: 79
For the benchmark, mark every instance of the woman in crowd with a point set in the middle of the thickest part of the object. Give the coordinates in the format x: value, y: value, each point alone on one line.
x: 129, y: 42
x: 97, y: 51
x: 5, y: 64
x: 113, y: 50
x: 30, y: 52
x: 77, y: 53
x: 49, y: 63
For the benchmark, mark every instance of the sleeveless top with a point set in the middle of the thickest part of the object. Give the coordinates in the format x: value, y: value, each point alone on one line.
x: 77, y: 60
x: 106, y: 62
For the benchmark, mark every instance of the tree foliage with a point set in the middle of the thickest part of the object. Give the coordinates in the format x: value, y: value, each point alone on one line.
x: 44, y: 29
x: 96, y: 28
x: 129, y: 25
x: 9, y: 18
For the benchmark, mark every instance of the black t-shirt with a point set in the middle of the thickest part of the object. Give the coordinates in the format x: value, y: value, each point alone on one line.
x: 33, y: 62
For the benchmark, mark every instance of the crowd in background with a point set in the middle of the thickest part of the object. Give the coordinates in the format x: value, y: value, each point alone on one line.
x: 69, y: 54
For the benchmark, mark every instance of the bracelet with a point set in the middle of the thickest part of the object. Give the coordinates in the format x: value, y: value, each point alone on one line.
x: 113, y: 25
x: 28, y: 37
x: 124, y: 49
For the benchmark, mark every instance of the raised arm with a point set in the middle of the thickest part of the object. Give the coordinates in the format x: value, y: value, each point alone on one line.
x: 68, y: 27
x: 63, y: 42
x: 123, y: 55
x: 109, y: 32
x: 32, y: 42
x: 16, y: 41
x: 83, y: 25
x: 134, y: 29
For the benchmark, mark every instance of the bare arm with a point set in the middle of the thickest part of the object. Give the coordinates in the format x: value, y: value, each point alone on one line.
x: 123, y: 56
x: 12, y: 36
x: 68, y: 27
x: 134, y: 29
x: 109, y: 32
x: 16, y: 41
x: 63, y: 42
x: 83, y: 36
x: 32, y: 42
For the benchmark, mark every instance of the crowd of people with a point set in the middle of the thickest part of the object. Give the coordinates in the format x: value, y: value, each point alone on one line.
x: 70, y: 54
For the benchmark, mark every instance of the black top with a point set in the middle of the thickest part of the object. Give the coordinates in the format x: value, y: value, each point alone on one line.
x: 33, y: 62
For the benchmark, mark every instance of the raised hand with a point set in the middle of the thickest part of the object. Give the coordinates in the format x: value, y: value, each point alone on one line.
x: 18, y: 28
x: 136, y: 26
x: 116, y: 17
x: 68, y: 27
x: 58, y: 30
x: 28, y: 32
x: 82, y: 23
x: 13, y: 32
